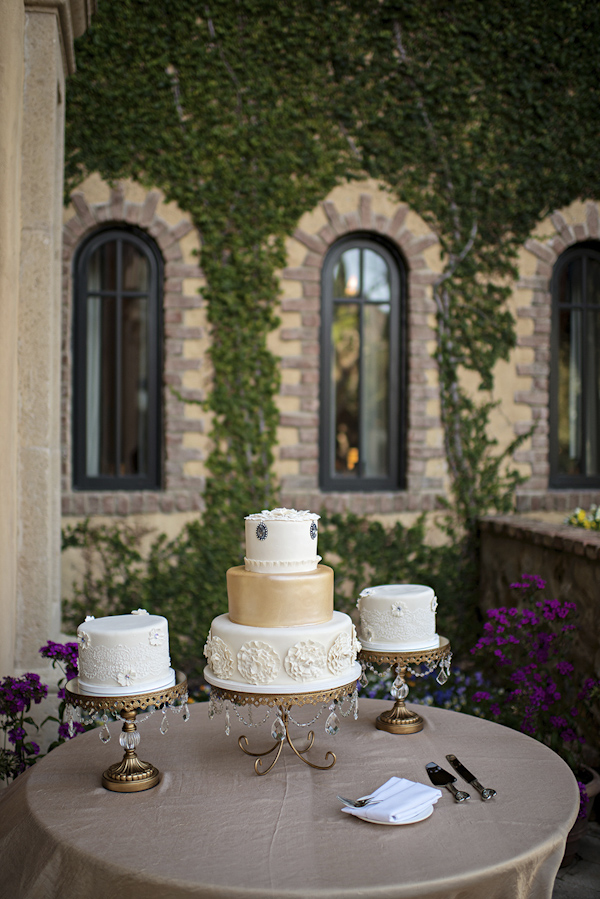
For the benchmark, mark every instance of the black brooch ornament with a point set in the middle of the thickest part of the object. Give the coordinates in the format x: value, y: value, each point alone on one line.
x: 313, y: 530
x: 262, y: 531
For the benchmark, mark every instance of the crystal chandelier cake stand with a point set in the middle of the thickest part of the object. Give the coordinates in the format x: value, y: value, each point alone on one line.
x: 131, y: 774
x: 224, y: 694
x: 399, y: 719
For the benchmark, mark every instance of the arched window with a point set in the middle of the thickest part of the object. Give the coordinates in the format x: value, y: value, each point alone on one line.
x: 117, y: 362
x: 362, y: 367
x: 575, y: 369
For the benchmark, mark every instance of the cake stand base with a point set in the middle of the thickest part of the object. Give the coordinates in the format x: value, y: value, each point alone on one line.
x: 399, y: 719
x: 131, y: 774
x: 280, y: 732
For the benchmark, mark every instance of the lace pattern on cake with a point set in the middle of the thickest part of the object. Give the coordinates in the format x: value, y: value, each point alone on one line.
x: 219, y: 657
x: 100, y: 663
x: 416, y: 625
x: 341, y: 654
x: 258, y: 662
x: 306, y: 661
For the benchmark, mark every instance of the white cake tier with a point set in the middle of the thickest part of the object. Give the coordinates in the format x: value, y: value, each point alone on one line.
x: 305, y: 657
x: 123, y: 655
x: 281, y: 540
x: 398, y: 616
x: 332, y: 683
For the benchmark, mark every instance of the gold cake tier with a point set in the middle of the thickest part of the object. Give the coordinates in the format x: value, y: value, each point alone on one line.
x: 280, y: 600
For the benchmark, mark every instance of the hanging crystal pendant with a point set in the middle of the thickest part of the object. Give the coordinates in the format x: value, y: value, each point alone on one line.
x: 444, y: 672
x: 278, y: 729
x: 332, y: 725
x: 211, y: 708
x: 104, y: 733
x: 363, y: 679
x: 355, y: 704
x: 164, y: 724
x: 69, y: 714
x: 186, y: 712
x: 227, y: 723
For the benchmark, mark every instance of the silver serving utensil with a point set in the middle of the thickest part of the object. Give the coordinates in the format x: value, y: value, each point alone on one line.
x: 358, y: 803
x: 441, y: 778
x: 485, y: 792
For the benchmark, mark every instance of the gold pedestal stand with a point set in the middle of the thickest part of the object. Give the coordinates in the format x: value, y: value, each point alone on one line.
x: 131, y: 774
x: 399, y: 719
x: 280, y: 730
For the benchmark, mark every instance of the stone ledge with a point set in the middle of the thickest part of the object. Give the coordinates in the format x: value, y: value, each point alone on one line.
x: 562, y: 537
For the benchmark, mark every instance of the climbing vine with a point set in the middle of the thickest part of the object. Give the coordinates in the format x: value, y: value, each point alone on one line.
x: 483, y: 117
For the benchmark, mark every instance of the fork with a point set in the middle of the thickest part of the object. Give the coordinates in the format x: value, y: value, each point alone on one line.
x: 358, y: 803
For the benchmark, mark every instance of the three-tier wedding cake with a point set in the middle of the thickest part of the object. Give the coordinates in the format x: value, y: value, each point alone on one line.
x: 281, y: 633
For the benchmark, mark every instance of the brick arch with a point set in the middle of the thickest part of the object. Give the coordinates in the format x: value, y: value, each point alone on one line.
x: 424, y: 441
x: 181, y: 493
x: 535, y: 495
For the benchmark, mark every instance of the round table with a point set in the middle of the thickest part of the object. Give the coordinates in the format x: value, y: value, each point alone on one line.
x: 212, y: 829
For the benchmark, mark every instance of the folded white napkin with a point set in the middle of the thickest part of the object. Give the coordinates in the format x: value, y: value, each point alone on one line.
x: 401, y: 801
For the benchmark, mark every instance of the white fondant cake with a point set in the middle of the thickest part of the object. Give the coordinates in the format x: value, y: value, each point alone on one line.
x: 281, y: 540
x: 122, y: 655
x: 304, y: 657
x: 281, y: 632
x: 398, y: 616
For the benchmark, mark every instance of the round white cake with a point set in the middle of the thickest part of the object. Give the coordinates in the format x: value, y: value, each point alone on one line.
x: 398, y: 616
x: 123, y: 655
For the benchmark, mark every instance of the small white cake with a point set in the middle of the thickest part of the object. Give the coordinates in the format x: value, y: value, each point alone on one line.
x: 122, y: 655
x: 281, y: 540
x: 398, y: 616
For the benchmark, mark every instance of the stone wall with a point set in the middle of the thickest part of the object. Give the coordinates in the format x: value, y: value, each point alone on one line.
x: 566, y: 557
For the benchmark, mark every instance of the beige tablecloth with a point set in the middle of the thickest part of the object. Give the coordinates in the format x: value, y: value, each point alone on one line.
x: 213, y: 828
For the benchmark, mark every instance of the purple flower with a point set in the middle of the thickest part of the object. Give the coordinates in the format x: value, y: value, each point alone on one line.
x: 481, y: 696
x: 16, y: 735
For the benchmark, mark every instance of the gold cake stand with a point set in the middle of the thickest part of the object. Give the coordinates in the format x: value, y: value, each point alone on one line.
x: 399, y: 719
x: 131, y: 774
x: 280, y: 732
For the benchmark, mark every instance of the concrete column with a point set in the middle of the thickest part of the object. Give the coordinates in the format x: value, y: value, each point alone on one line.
x: 12, y: 17
x: 38, y: 476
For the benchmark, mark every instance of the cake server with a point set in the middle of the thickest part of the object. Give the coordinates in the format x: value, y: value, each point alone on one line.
x: 441, y: 778
x: 486, y: 792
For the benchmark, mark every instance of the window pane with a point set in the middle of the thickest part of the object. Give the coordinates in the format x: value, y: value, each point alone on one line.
x: 346, y: 385
x: 375, y: 390
x: 592, y: 394
x: 569, y: 290
x: 593, y: 282
x: 376, y: 277
x: 100, y: 386
x: 136, y: 269
x: 569, y: 393
x: 102, y: 268
x: 346, y: 274
x: 134, y: 386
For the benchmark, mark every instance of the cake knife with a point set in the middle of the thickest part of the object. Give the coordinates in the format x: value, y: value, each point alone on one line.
x: 486, y: 792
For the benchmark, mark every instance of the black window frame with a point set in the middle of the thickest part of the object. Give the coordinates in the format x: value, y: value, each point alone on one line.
x: 583, y: 250
x: 329, y: 481
x: 152, y: 479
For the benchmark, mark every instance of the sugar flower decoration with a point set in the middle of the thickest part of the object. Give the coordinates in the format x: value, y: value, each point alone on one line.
x: 126, y: 678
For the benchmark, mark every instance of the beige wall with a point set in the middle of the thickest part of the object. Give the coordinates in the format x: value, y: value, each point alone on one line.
x: 12, y: 17
x: 36, y: 52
